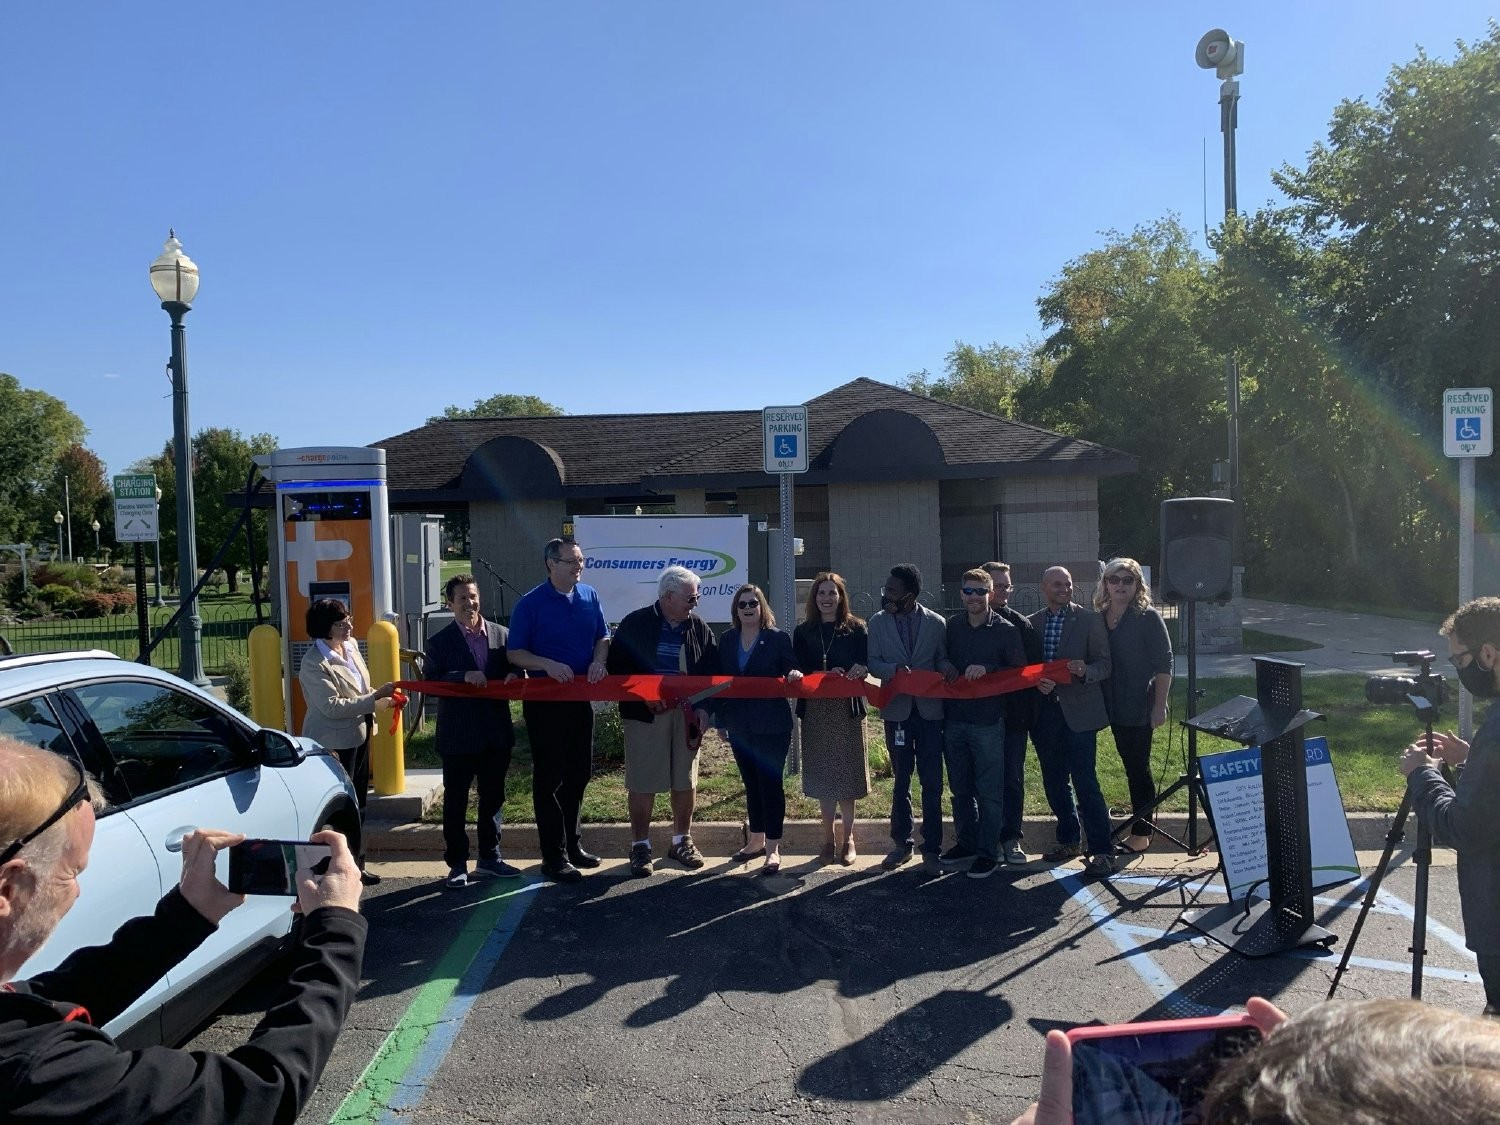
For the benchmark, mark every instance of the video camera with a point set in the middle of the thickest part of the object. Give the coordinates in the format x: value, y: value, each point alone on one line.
x: 1426, y: 684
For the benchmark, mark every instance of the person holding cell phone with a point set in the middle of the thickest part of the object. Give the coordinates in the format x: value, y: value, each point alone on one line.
x: 55, y: 1062
x: 341, y: 701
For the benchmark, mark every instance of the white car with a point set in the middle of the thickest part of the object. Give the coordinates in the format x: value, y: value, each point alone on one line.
x: 171, y: 758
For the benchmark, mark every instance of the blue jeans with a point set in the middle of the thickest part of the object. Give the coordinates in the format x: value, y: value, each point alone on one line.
x: 762, y: 761
x: 975, y: 753
x: 921, y: 747
x: 1013, y: 803
x: 1067, y: 760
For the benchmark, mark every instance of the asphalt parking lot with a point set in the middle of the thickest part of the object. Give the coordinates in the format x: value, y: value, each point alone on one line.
x: 828, y: 994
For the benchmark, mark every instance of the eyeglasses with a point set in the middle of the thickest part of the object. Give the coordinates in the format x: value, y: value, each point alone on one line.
x: 1005, y: 585
x: 973, y: 591
x: 691, y: 599
x: 1120, y: 579
x: 749, y: 603
x: 571, y: 564
x: 79, y: 794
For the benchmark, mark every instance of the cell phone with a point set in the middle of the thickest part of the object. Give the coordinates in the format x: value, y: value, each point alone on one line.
x: 271, y: 867
x: 1153, y: 1071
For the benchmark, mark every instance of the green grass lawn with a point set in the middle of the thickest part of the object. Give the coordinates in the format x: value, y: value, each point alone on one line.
x: 1363, y: 739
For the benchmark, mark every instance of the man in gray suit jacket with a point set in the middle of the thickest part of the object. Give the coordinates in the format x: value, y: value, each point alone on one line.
x: 1071, y: 716
x: 905, y: 634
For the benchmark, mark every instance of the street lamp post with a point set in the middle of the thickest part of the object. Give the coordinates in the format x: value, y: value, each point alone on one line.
x: 95, y: 525
x: 175, y: 279
x: 57, y: 518
x: 156, y: 543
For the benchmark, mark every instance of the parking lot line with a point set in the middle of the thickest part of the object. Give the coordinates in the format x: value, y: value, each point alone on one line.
x: 397, y: 1076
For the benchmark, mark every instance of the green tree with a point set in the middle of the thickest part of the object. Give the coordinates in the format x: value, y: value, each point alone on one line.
x: 221, y: 465
x: 1130, y: 369
x: 88, y: 496
x: 981, y: 378
x: 35, y: 430
x: 500, y: 406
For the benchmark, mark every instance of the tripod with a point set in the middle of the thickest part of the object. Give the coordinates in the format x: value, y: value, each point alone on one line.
x: 1423, y: 856
x: 1192, y: 777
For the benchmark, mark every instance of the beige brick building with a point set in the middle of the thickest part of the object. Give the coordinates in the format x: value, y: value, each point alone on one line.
x: 893, y: 477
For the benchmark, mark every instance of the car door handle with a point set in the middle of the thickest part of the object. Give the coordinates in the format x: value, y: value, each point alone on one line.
x: 177, y: 835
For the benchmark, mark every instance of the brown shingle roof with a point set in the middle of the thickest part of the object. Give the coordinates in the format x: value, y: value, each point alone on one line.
x: 621, y: 451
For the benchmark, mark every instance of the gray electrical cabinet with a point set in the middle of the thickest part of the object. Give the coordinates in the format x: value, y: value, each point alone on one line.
x: 416, y: 571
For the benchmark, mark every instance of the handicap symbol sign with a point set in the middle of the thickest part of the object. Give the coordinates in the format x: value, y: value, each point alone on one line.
x: 786, y: 445
x: 1467, y: 428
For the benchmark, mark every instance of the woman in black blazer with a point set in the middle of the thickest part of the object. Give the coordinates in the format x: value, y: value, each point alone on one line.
x: 759, y: 730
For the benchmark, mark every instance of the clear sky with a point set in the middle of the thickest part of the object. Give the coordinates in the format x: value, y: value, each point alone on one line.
x: 618, y: 205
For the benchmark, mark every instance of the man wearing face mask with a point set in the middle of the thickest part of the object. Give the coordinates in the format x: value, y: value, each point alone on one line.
x: 905, y: 634
x: 1462, y: 814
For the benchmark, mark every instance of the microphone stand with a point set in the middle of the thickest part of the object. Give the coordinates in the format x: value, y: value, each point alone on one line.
x: 503, y: 584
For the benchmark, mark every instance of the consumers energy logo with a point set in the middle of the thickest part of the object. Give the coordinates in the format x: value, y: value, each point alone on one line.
x: 651, y: 560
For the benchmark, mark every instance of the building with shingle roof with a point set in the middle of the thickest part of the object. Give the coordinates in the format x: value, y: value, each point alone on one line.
x: 893, y: 477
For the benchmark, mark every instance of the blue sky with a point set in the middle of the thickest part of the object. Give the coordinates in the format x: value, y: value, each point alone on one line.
x: 618, y: 206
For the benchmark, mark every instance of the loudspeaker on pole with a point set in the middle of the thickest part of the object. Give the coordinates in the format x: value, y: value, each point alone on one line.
x: 1197, y: 534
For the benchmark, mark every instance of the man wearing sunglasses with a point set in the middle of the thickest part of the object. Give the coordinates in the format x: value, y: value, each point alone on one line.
x: 980, y: 641
x: 55, y: 1063
x: 661, y: 741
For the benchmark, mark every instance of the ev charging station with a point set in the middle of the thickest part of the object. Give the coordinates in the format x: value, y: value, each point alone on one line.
x: 329, y: 538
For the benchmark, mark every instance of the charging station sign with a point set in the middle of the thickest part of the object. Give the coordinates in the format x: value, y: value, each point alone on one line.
x: 135, y: 508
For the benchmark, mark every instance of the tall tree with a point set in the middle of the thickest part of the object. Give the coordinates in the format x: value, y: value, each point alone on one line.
x: 500, y: 406
x: 1131, y: 370
x: 221, y: 465
x: 981, y: 378
x: 35, y: 430
x: 87, y: 496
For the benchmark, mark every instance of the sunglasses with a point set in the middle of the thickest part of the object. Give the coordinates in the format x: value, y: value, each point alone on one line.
x: 749, y: 603
x: 1120, y: 579
x: 973, y: 591
x: 79, y: 794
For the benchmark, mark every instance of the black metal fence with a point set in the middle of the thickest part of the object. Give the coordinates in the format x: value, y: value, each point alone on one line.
x: 226, y: 635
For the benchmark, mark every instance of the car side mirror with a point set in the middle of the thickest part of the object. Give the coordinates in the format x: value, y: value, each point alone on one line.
x: 274, y: 748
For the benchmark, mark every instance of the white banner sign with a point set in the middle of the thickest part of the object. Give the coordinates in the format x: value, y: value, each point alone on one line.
x: 623, y: 557
x: 1235, y: 796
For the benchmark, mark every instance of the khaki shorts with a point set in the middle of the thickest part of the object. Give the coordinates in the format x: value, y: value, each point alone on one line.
x: 656, y: 754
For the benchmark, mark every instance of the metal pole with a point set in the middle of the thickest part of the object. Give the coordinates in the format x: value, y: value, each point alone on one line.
x: 60, y: 555
x: 68, y: 514
x: 1229, y: 100
x: 786, y: 583
x: 190, y: 625
x: 1465, y: 574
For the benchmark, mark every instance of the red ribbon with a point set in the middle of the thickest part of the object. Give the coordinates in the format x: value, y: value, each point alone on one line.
x: 673, y: 690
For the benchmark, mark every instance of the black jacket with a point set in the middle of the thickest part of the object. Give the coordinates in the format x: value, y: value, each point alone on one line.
x: 632, y: 652
x: 56, y: 1065
x: 771, y: 656
x: 1021, y: 706
x: 469, y: 726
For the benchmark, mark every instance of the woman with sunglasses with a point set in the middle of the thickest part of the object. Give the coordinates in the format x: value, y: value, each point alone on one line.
x: 835, y: 769
x: 340, y: 698
x: 1140, y: 678
x: 759, y: 730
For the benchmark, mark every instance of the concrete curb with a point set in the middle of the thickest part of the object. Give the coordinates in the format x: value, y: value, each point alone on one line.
x: 396, y: 840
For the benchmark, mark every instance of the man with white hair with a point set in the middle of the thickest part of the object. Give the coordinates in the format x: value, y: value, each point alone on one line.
x: 55, y: 1063
x: 661, y: 741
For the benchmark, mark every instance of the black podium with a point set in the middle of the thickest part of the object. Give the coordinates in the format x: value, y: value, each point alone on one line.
x: 1273, y: 721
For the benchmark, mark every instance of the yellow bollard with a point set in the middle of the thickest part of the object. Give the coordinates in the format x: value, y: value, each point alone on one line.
x: 267, y: 694
x: 387, y: 750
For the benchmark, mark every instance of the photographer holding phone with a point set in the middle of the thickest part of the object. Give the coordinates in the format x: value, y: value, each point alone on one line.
x: 55, y: 1062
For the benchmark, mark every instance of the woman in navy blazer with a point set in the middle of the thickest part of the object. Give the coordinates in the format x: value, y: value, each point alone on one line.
x: 759, y: 730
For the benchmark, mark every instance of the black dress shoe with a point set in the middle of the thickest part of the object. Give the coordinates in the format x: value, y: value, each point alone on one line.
x: 369, y: 878
x: 562, y: 873
x: 581, y: 858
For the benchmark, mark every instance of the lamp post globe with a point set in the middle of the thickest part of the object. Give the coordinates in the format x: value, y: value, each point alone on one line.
x: 156, y: 543
x: 174, y: 277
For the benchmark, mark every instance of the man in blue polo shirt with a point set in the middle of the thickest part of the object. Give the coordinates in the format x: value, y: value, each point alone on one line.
x: 558, y: 630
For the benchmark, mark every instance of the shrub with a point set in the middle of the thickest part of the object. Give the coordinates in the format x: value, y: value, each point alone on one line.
x: 114, y: 578
x: 59, y: 598
x: 123, y: 600
x: 79, y: 576
x: 95, y: 605
x: 237, y: 689
x: 609, y: 734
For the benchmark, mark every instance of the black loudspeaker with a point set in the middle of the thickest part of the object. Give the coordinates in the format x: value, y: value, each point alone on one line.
x: 1197, y: 534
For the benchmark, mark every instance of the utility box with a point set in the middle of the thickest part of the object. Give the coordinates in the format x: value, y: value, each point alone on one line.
x: 416, y: 572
